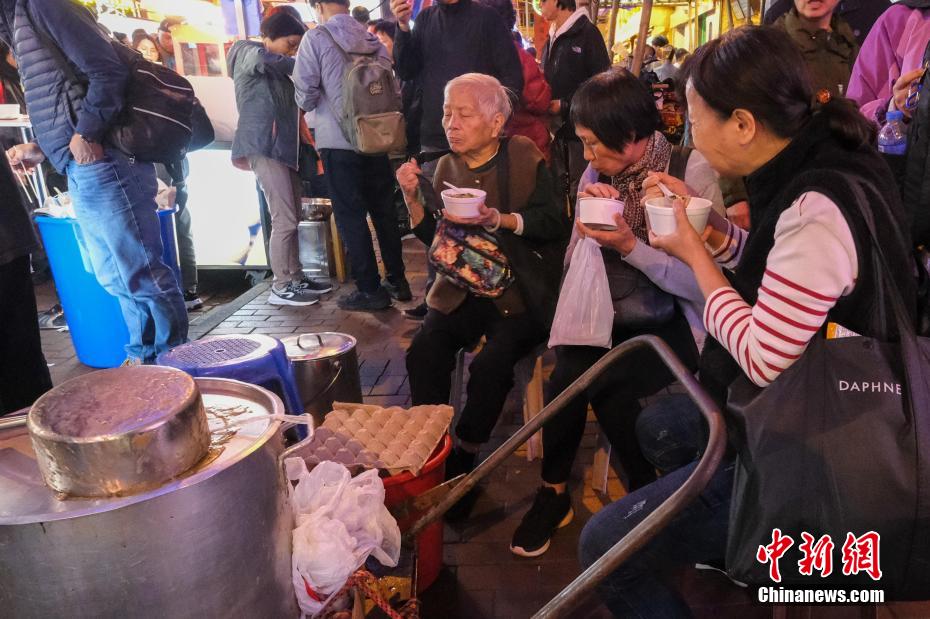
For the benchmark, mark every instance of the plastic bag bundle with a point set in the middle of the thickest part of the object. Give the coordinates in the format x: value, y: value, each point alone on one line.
x: 340, y: 521
x: 584, y: 315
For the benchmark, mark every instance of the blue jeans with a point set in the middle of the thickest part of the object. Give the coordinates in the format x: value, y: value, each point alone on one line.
x: 698, y: 533
x: 671, y: 433
x: 114, y: 200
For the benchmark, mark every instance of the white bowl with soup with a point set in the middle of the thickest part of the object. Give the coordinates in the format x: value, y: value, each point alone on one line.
x: 599, y: 213
x: 464, y: 202
x: 662, y: 217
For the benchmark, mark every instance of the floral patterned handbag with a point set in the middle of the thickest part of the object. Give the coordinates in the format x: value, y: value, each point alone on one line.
x: 471, y: 257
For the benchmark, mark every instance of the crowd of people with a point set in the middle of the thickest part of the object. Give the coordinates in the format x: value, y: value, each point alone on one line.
x: 779, y: 139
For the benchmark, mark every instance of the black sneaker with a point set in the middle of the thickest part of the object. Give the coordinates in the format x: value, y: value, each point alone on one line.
x: 416, y: 313
x: 359, y: 301
x: 315, y: 287
x: 292, y: 294
x: 192, y: 300
x: 550, y: 511
x: 400, y: 291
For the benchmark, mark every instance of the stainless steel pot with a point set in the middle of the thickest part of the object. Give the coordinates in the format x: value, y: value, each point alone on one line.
x: 326, y: 370
x: 215, y: 542
x: 315, y: 209
x: 119, y: 431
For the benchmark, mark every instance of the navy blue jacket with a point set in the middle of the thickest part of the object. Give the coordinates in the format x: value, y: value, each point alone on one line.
x: 56, y: 108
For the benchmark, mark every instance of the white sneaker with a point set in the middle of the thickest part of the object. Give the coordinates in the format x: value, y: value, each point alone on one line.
x: 292, y: 294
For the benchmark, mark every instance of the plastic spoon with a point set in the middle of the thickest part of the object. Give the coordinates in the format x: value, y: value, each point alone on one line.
x: 451, y: 186
x: 672, y: 195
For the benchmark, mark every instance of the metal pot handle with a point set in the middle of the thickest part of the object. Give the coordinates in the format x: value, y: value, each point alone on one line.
x: 303, y: 335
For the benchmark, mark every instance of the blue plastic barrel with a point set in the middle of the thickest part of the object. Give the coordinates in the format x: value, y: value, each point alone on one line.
x: 95, y: 320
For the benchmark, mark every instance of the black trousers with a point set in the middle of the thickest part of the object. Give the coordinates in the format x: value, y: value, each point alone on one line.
x: 23, y: 372
x: 360, y: 186
x: 431, y: 359
x: 615, y: 400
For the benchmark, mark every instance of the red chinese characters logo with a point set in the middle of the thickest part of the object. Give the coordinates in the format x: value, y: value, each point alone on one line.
x: 771, y: 553
x: 817, y: 555
x: 860, y: 554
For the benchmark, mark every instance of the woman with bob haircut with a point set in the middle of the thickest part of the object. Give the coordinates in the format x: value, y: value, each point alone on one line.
x: 615, y: 117
x: 807, y: 256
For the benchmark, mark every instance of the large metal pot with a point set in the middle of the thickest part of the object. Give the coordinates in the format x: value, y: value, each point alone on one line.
x: 119, y: 431
x: 326, y: 370
x: 315, y: 209
x: 215, y: 542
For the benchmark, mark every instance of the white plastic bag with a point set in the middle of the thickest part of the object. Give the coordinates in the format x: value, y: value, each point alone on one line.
x: 340, y: 520
x: 584, y: 315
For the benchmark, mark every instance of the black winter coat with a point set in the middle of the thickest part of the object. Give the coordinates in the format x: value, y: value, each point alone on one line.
x: 450, y: 40
x: 17, y: 236
x: 575, y: 56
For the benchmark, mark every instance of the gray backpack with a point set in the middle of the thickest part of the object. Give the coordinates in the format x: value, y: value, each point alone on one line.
x: 371, y: 117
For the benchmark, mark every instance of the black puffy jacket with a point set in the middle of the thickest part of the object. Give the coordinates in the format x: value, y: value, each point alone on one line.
x: 56, y: 108
x: 576, y: 55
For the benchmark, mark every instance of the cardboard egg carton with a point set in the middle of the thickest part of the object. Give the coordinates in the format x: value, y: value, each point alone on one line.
x: 365, y: 436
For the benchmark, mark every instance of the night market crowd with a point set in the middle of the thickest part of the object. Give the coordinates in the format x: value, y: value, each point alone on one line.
x: 811, y: 262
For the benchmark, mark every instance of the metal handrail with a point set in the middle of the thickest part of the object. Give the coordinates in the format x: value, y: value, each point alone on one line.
x: 583, y: 585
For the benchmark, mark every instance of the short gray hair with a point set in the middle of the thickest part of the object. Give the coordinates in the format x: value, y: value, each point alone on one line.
x: 492, y: 97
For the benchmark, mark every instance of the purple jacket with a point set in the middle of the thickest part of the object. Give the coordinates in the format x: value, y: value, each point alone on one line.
x: 895, y: 46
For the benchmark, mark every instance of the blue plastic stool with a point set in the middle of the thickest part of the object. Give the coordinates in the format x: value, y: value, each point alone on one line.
x: 256, y: 359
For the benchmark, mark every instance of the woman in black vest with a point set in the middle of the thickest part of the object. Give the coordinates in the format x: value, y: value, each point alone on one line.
x: 806, y: 260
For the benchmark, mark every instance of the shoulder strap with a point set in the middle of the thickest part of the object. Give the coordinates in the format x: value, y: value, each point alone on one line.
x: 678, y: 162
x: 503, y: 177
x: 345, y: 54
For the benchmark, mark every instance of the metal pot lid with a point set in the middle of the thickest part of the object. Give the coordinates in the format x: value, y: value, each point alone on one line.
x: 119, y: 431
x: 25, y: 499
x: 310, y: 346
x: 100, y: 406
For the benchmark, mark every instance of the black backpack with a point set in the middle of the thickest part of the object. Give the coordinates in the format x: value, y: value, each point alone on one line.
x: 161, y: 120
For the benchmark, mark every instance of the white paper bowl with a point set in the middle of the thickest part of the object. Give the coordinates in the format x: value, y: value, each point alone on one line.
x: 662, y: 217
x: 599, y: 213
x: 463, y: 207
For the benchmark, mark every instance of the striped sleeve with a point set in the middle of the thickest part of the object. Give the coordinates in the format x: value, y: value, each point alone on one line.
x: 731, y: 250
x: 812, y: 264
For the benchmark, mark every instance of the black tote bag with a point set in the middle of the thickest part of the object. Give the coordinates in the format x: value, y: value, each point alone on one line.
x: 838, y: 444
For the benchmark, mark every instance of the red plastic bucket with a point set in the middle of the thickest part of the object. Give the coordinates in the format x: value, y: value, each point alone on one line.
x: 397, y: 488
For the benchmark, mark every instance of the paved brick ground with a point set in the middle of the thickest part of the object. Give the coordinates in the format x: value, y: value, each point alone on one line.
x: 482, y: 579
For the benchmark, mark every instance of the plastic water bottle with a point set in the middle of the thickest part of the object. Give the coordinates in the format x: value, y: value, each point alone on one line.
x: 892, y: 139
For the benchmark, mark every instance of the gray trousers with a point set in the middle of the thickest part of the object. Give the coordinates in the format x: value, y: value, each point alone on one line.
x: 283, y: 191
